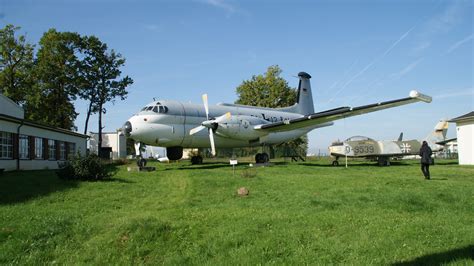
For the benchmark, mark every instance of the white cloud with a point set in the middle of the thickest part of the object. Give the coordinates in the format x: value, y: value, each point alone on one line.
x: 459, y: 43
x: 389, y: 49
x: 221, y: 4
x: 226, y: 5
x: 406, y: 69
x: 440, y: 23
x: 153, y: 27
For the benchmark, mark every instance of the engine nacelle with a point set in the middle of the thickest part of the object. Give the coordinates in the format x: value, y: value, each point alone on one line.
x: 240, y: 127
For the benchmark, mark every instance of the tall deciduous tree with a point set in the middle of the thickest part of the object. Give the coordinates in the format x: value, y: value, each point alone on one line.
x: 267, y: 90
x: 16, y: 64
x: 92, y: 50
x: 58, y: 83
x: 100, y: 71
x: 270, y: 90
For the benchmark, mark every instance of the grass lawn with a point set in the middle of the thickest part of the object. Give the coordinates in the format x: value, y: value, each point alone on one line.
x: 296, y: 213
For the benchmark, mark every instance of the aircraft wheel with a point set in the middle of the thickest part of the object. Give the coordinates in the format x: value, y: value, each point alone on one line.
x: 335, y: 163
x: 174, y: 153
x: 141, y: 162
x: 265, y: 158
x: 258, y: 158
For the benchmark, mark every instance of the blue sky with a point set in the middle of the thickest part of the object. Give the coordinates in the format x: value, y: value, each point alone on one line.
x: 358, y: 52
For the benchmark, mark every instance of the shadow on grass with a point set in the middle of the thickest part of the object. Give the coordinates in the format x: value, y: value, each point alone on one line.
x: 216, y: 165
x: 438, y: 162
x: 117, y: 180
x: 441, y: 258
x: 21, y: 186
x: 200, y: 166
x: 353, y: 164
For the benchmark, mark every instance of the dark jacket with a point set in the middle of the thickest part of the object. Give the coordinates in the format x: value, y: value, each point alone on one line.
x: 425, y: 153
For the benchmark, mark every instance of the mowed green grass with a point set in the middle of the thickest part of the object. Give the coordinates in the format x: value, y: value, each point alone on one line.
x: 296, y: 213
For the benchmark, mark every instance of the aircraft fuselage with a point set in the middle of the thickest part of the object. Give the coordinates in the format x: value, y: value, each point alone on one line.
x: 169, y: 124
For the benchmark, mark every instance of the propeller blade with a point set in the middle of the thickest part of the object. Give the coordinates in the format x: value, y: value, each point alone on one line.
x: 196, y: 130
x: 211, y: 138
x: 206, y: 105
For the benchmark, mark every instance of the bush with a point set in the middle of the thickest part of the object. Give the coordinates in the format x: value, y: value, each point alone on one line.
x: 85, y: 168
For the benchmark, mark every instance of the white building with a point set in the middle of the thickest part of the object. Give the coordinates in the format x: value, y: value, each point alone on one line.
x: 114, y: 144
x: 27, y: 145
x: 465, y: 136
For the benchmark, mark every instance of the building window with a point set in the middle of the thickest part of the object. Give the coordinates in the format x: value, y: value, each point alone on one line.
x: 62, y: 150
x: 38, y: 148
x: 72, y: 150
x: 6, y: 145
x: 51, y: 149
x: 23, y: 147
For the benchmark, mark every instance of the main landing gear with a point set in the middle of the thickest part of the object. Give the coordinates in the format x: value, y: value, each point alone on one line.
x: 196, y: 159
x: 262, y: 158
x: 335, y: 162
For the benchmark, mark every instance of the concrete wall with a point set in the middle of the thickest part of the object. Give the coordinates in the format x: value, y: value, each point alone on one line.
x: 465, y: 135
x: 115, y: 140
x: 25, y: 164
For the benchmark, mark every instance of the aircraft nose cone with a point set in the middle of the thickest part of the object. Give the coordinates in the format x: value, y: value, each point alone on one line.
x: 127, y: 128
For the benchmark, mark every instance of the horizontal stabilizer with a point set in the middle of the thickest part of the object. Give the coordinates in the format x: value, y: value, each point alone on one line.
x: 444, y: 142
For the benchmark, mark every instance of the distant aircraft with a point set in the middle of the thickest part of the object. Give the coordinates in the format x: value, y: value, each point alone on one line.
x: 382, y: 151
x: 177, y: 125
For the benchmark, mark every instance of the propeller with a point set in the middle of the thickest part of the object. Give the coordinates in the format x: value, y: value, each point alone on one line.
x: 210, y: 124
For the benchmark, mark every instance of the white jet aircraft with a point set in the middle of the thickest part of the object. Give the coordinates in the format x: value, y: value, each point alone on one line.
x: 177, y: 125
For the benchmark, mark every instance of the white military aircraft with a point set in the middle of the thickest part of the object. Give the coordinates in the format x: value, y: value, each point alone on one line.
x: 383, y: 150
x: 177, y: 125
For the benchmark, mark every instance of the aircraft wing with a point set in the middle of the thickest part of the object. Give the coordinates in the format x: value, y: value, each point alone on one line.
x: 339, y: 113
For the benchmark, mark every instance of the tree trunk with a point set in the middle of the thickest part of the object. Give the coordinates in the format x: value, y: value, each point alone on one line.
x: 100, y: 129
x: 89, y: 110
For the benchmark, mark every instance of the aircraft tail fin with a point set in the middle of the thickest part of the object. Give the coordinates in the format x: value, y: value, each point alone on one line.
x: 439, y: 133
x: 400, y: 138
x: 304, y: 99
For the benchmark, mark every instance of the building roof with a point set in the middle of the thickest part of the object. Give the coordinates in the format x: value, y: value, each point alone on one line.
x: 463, y: 117
x: 37, y: 125
x: 9, y: 107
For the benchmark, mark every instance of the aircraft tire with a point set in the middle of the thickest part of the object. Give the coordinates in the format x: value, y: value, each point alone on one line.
x: 265, y: 158
x: 258, y: 158
x: 174, y: 153
x: 196, y: 160
x: 335, y: 163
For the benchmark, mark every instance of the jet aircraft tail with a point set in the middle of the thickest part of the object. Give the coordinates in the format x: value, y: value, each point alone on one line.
x: 438, y: 134
x: 304, y: 99
x: 400, y: 138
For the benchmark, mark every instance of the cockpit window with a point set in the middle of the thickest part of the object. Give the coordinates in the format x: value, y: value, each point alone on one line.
x: 158, y: 108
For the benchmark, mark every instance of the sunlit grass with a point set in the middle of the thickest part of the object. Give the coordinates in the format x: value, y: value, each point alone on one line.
x: 295, y: 213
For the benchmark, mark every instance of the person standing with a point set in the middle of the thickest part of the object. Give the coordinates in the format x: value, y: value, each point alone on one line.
x: 425, y: 153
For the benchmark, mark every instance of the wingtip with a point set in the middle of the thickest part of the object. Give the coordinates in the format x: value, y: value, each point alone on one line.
x: 420, y: 96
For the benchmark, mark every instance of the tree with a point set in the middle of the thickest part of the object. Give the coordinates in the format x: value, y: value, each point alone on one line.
x: 58, y: 82
x: 100, y: 78
x: 268, y: 90
x: 16, y: 64
x: 271, y: 90
x: 92, y: 50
